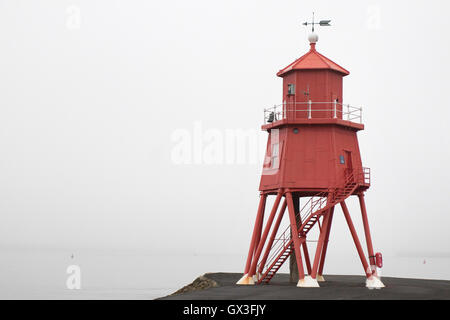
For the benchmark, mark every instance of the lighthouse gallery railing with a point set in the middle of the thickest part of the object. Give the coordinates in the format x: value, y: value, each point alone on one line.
x: 312, y: 110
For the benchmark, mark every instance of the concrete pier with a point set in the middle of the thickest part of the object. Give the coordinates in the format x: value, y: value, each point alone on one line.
x: 341, y: 287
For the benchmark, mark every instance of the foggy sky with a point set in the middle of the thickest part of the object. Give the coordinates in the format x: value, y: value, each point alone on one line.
x: 87, y: 114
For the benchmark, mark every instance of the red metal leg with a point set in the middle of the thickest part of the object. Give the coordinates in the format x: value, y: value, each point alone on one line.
x: 306, y: 253
x: 259, y: 217
x: 264, y: 235
x: 259, y: 230
x: 304, y: 245
x: 296, y: 239
x: 362, y: 205
x: 272, y: 236
x: 319, y: 248
x: 325, y: 245
x: 355, y: 239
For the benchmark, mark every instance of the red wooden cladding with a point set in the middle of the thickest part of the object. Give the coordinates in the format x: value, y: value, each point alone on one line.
x: 310, y: 157
x: 310, y: 154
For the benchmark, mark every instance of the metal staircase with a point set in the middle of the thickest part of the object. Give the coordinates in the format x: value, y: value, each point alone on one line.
x: 310, y: 213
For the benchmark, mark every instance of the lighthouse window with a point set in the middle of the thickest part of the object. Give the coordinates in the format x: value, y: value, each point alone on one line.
x: 274, y: 157
x: 291, y: 88
x: 341, y: 159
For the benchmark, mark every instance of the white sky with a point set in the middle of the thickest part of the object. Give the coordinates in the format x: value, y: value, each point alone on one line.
x: 87, y: 115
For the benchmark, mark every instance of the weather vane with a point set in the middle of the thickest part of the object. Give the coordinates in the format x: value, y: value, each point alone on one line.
x: 323, y: 23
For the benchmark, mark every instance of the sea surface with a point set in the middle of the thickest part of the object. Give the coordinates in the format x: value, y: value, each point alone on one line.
x: 31, y: 273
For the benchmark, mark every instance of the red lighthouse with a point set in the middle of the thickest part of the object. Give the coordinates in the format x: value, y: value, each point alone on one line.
x: 312, y: 164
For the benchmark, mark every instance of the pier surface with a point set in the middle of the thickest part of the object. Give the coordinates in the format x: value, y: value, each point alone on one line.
x: 222, y: 286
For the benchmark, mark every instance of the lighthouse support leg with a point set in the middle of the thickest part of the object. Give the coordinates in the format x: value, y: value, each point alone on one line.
x: 367, y: 231
x: 373, y: 281
x: 302, y: 280
x: 262, y: 241
x: 272, y: 237
x: 306, y: 254
x: 355, y: 239
x: 325, y: 246
x: 293, y: 269
x: 323, y: 232
x: 257, y: 228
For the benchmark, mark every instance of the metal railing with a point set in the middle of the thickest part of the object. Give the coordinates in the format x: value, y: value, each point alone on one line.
x: 312, y: 110
x: 366, y: 175
x: 361, y: 176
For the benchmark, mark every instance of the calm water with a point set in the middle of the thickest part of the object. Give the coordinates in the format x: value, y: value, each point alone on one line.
x: 112, y: 274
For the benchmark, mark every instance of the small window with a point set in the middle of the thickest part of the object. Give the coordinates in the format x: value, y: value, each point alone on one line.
x: 341, y: 159
x: 291, y: 89
x: 275, y: 160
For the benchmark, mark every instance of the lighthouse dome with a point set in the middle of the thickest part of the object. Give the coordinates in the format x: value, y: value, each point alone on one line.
x: 313, y: 37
